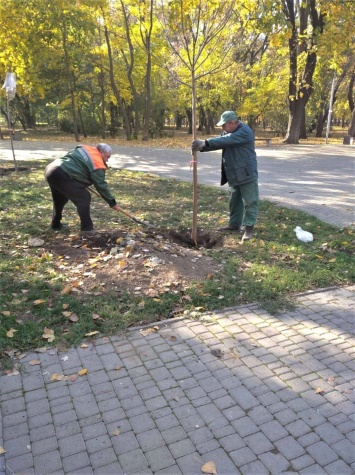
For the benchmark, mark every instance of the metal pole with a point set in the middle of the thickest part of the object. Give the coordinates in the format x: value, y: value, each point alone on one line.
x: 330, y: 109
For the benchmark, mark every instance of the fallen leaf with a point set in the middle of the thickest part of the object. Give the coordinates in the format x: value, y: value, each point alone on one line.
x: 34, y: 362
x: 95, y: 316
x: 116, y: 432
x: 2, y: 450
x: 82, y: 372
x: 117, y: 368
x: 67, y: 289
x: 147, y: 331
x: 73, y: 377
x: 10, y: 333
x: 91, y: 333
x: 65, y: 306
x: 38, y: 302
x: 6, y: 313
x: 48, y: 334
x: 35, y: 242
x: 41, y: 350
x: 66, y: 314
x: 319, y: 390
x: 58, y: 377
x: 84, y: 345
x: 209, y: 467
x: 217, y: 352
x: 10, y: 372
x: 74, y: 318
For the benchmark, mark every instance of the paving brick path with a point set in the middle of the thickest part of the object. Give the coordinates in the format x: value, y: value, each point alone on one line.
x: 279, y: 398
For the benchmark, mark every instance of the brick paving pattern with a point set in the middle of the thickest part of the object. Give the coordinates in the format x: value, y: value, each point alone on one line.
x: 279, y: 400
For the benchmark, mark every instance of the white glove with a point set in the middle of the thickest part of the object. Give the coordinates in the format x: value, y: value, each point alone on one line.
x: 198, y: 145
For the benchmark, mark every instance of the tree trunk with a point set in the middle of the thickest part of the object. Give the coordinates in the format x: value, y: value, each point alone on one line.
x: 115, y: 88
x: 351, y: 129
x: 189, y: 118
x: 70, y: 77
x: 148, y: 72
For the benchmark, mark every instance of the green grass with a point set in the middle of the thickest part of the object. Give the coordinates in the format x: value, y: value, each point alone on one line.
x: 269, y: 269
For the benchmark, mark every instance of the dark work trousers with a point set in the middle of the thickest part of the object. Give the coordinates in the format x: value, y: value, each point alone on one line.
x: 63, y: 189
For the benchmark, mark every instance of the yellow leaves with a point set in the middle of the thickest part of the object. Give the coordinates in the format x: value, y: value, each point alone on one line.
x: 48, y: 335
x: 72, y: 377
x: 59, y: 377
x: 38, y: 301
x: 148, y: 331
x: 2, y: 451
x: 91, y: 333
x: 10, y: 333
x: 209, y: 467
x: 6, y: 313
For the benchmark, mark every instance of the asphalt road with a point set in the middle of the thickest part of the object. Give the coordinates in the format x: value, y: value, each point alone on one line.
x: 318, y: 179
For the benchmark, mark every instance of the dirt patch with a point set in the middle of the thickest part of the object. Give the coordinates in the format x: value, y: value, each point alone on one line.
x: 141, y: 262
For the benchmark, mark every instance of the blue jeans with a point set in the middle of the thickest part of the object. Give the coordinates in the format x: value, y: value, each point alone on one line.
x: 244, y: 204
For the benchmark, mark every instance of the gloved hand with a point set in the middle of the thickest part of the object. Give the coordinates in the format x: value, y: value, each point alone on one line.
x: 198, y: 145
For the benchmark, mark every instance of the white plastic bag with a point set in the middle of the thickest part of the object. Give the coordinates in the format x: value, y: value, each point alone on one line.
x: 10, y: 85
x: 303, y: 236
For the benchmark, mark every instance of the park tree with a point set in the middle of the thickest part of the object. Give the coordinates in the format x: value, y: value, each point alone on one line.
x: 197, y: 33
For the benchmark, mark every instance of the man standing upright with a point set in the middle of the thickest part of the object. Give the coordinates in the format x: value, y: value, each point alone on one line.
x: 239, y: 170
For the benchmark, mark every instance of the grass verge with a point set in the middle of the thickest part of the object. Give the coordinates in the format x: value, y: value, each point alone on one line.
x: 269, y: 269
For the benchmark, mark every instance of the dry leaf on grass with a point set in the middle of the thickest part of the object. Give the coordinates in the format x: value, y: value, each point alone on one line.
x: 74, y: 318
x: 38, y: 301
x: 91, y: 333
x: 6, y: 313
x: 209, y: 467
x: 48, y: 334
x: 10, y: 333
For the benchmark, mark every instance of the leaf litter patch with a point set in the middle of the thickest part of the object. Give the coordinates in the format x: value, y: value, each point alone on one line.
x: 146, y: 263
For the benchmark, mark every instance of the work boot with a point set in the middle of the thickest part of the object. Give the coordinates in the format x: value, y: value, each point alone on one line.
x: 234, y: 229
x: 248, y: 233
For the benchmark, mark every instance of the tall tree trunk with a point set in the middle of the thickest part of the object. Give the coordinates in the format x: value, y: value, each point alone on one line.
x: 148, y: 72
x: 114, y: 87
x: 301, y: 81
x: 70, y: 77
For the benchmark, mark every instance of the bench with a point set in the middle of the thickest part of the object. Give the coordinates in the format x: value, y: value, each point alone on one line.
x: 5, y: 134
x: 268, y: 141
